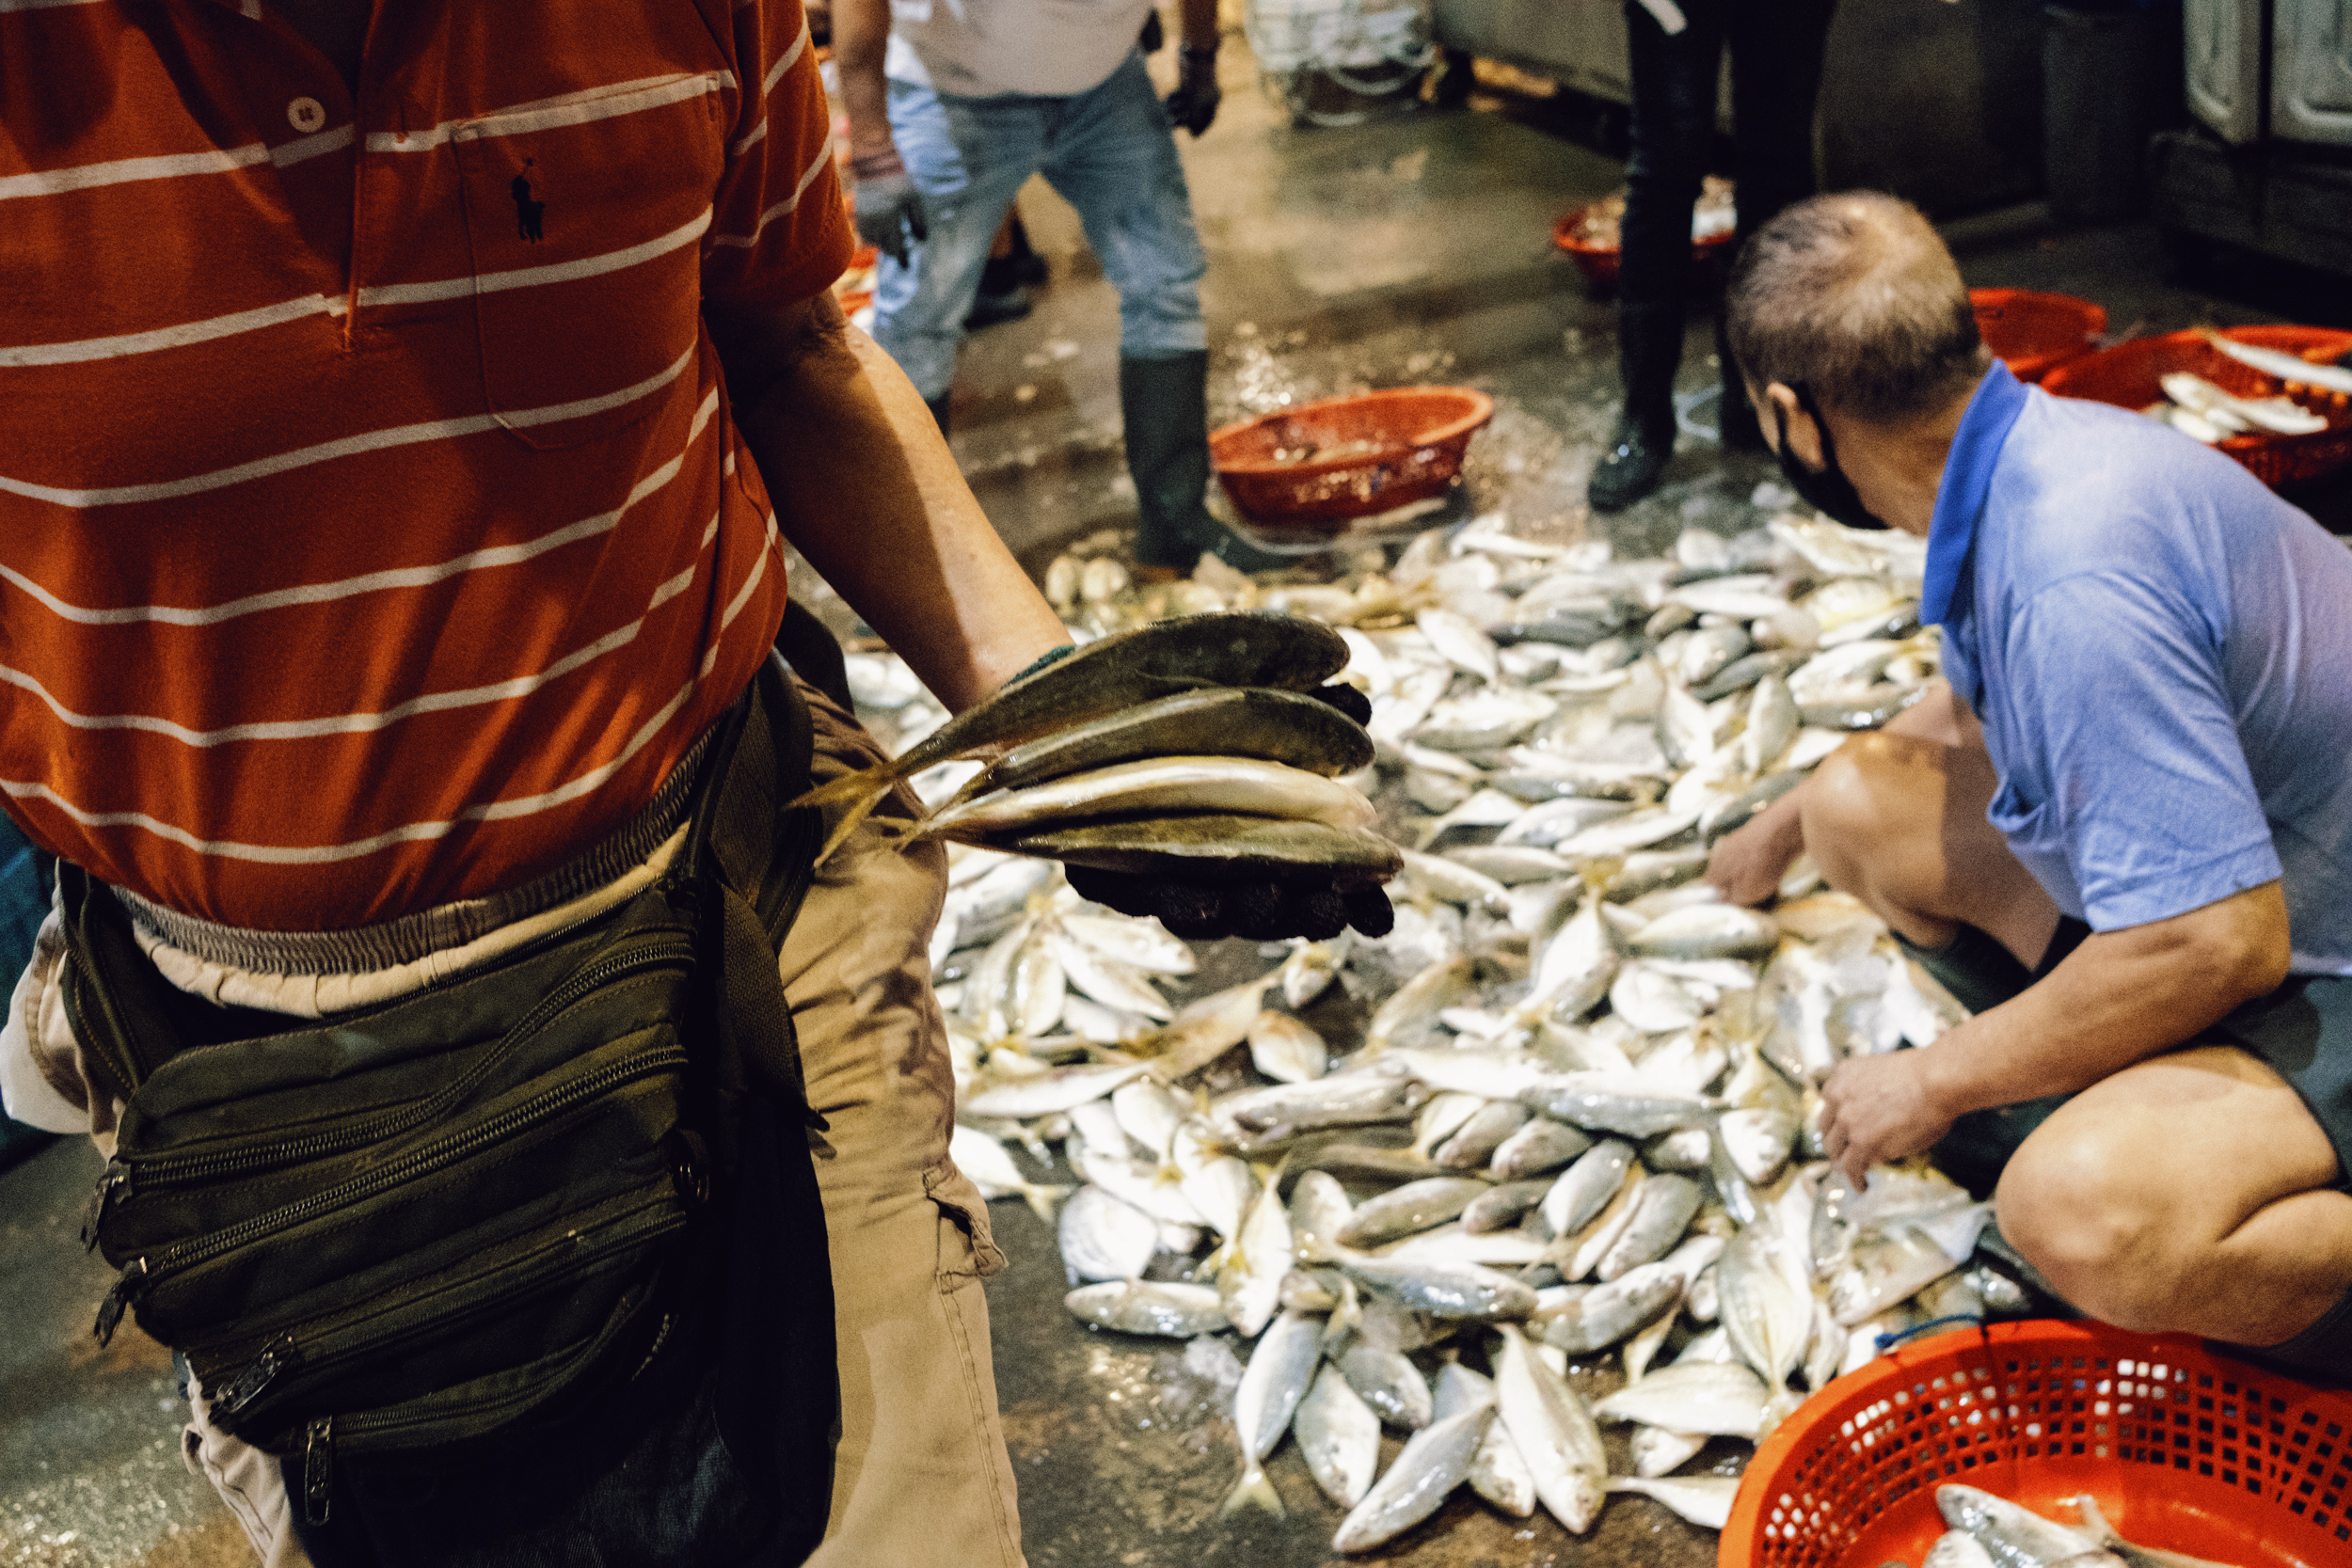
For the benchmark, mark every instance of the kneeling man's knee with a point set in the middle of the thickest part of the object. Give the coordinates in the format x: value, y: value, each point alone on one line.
x: 2085, y: 1210
x: 1854, y: 802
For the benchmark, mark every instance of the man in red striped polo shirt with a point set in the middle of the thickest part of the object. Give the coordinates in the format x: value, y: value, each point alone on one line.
x: 401, y: 410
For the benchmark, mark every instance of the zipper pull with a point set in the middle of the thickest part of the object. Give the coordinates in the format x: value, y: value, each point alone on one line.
x: 113, y: 1183
x: 318, y: 1467
x: 126, y: 1289
x: 284, y: 1355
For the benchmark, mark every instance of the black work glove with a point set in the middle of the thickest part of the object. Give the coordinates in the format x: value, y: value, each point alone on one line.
x: 889, y: 208
x: 1346, y: 699
x: 1317, y: 908
x: 1193, y: 104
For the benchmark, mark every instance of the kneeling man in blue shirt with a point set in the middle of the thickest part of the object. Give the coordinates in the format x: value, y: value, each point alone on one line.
x: 2122, y: 834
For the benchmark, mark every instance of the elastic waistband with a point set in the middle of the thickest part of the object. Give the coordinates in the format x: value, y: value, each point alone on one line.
x: 412, y: 937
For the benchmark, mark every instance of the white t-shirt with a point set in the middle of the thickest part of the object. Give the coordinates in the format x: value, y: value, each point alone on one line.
x: 981, y: 48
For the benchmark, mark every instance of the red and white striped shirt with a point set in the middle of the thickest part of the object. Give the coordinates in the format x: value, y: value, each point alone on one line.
x: 373, y: 530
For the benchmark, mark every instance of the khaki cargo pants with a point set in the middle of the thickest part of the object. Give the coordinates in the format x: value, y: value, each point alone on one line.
x: 920, y: 1473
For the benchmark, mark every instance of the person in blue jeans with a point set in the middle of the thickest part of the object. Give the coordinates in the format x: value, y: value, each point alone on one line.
x: 951, y: 108
x: 25, y: 877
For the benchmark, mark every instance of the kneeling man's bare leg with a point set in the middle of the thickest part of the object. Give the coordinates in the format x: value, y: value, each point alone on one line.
x: 1898, y: 821
x: 2189, y: 1194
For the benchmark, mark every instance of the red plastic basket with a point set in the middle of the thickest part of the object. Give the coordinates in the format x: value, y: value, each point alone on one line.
x: 2128, y: 375
x: 1599, y: 262
x: 1417, y: 437
x: 2184, y: 1448
x: 2033, y: 333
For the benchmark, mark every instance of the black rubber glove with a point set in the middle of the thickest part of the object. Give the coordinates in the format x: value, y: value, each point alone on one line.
x: 889, y: 208
x: 1193, y: 104
x: 1315, y: 907
x: 1346, y: 699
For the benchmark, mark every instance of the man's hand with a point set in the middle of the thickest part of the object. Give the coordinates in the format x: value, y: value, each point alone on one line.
x: 1878, y: 1108
x: 1747, y: 865
x: 1193, y: 104
x: 889, y: 208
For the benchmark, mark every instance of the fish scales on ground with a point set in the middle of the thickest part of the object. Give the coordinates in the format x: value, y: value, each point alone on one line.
x: 1575, y: 1095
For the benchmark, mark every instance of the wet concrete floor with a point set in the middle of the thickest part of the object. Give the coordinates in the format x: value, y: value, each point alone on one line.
x: 1415, y: 247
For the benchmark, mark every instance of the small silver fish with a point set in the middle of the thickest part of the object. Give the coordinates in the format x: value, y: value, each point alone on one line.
x: 1543, y: 1144
x: 1414, y: 1207
x: 2016, y: 1537
x: 1704, y: 1500
x: 1711, y: 1397
x: 1499, y: 1208
x: 1388, y: 1383
x: 1286, y: 1049
x: 1340, y: 1438
x: 1585, y: 1187
x: 1271, y: 1388
x: 1136, y: 1307
x: 1553, y: 1431
x: 1610, y: 1313
x: 1474, y: 1142
x: 1434, y: 1462
x: 1663, y: 1210
x: 1102, y: 1238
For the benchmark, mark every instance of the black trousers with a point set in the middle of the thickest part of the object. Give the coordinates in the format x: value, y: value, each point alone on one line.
x: 1775, y: 79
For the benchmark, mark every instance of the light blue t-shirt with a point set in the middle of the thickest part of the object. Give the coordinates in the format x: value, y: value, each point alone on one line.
x: 2160, y: 652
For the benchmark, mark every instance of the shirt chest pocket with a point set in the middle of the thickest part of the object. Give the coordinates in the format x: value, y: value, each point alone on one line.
x: 584, y: 216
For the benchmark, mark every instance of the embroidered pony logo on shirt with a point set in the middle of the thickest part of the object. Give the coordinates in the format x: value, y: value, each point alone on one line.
x: 527, y: 211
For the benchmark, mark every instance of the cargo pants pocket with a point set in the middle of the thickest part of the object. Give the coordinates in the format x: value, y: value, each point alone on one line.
x: 967, y: 1250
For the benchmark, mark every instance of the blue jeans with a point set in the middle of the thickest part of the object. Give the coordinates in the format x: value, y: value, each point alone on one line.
x: 1110, y: 152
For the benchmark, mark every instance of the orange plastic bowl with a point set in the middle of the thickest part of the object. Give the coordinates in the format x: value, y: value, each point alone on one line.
x: 1599, y: 262
x: 2184, y: 1448
x: 2033, y: 334
x: 1396, y: 447
x: 2129, y: 376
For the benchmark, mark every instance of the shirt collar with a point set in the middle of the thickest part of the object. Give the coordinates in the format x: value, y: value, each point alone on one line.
x: 1999, y: 398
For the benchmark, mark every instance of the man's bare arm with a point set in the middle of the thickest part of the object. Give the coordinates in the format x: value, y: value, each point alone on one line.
x: 2119, y: 998
x: 865, y: 487
x: 861, y: 35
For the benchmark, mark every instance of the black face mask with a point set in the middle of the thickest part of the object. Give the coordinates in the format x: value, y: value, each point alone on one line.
x: 1826, y: 489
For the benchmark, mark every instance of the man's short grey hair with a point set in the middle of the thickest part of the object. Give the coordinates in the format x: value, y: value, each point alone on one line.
x: 1855, y: 297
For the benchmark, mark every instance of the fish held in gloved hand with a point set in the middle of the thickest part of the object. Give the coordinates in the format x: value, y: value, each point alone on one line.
x: 1156, y: 787
x: 1160, y: 659
x: 1287, y: 727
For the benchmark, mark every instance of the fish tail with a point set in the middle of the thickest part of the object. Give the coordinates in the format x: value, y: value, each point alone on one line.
x: 1253, y: 1491
x: 851, y: 819
x: 1042, y: 1198
x: 849, y: 786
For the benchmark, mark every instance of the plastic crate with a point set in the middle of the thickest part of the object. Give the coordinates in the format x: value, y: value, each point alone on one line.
x: 1407, y: 445
x: 2185, y: 1448
x: 2128, y: 375
x: 2033, y: 334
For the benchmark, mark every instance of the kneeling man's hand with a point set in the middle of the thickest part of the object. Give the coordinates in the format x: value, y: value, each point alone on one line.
x: 1878, y: 1108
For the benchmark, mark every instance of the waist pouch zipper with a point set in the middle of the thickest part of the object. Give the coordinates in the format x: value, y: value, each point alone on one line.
x: 141, y: 1273
x: 325, y: 1343
x: 154, y: 1172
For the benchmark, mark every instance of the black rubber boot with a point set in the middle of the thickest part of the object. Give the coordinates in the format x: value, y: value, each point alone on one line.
x: 1164, y: 404
x: 938, y: 407
x: 1649, y: 347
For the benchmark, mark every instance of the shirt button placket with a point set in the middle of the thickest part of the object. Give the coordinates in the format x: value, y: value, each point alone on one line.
x: 306, y: 114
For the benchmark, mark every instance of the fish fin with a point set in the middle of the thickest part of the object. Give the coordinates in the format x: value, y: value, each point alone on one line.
x: 849, y: 786
x: 852, y: 818
x: 1253, y: 1491
x: 1042, y: 1198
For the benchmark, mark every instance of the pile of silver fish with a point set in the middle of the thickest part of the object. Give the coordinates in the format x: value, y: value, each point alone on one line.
x: 1576, y: 1144
x: 1987, y: 1531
